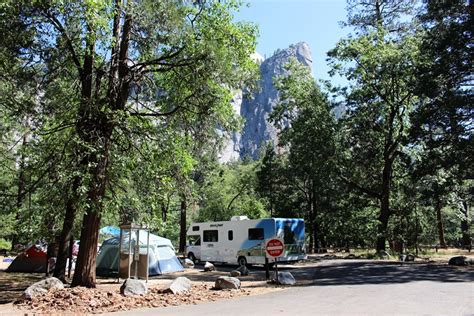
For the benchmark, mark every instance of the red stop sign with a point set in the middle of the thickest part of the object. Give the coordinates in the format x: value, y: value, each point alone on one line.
x: 274, y: 248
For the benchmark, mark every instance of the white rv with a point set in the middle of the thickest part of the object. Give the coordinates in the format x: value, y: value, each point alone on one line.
x: 241, y: 241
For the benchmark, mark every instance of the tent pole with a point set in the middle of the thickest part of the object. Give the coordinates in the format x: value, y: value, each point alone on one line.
x: 136, y: 256
x: 129, y: 251
x: 119, y: 253
x: 147, y: 253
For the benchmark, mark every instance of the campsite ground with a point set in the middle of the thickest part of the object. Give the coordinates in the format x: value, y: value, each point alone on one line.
x: 344, y: 286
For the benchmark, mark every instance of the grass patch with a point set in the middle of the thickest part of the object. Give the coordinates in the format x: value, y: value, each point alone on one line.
x: 5, y: 244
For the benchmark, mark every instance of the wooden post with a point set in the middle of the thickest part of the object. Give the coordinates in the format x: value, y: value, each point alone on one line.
x: 267, y: 269
x: 276, y: 270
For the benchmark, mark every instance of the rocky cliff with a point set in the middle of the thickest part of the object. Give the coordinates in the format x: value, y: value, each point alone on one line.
x: 256, y: 108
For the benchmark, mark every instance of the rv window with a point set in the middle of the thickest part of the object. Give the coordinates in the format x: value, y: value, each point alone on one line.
x: 195, y: 228
x: 230, y: 234
x: 256, y: 234
x: 289, y: 237
x: 194, y: 240
x: 210, y: 236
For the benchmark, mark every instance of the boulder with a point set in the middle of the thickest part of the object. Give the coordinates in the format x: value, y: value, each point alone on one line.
x: 42, y: 287
x: 382, y: 254
x: 188, y: 263
x: 243, y: 270
x: 133, y: 287
x: 178, y: 286
x: 460, y: 261
x: 209, y: 267
x: 285, y: 278
x: 410, y: 257
x: 227, y: 283
x: 235, y: 273
x: 407, y: 257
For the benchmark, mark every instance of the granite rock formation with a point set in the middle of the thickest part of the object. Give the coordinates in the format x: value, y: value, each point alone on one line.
x: 255, y: 108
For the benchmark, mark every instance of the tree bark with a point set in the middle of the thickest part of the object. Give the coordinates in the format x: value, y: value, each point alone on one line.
x: 311, y: 246
x: 66, y: 233
x: 314, y: 223
x: 98, y: 132
x: 439, y: 219
x: 84, y: 274
x: 164, y: 213
x: 20, y: 193
x: 466, y: 237
x: 71, y: 250
x: 182, y: 226
x: 384, y: 204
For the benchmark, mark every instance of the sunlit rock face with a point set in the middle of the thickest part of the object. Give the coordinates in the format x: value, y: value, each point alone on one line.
x: 256, y: 107
x: 231, y: 150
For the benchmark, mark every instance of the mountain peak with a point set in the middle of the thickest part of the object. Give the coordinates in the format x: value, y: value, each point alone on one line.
x: 255, y: 110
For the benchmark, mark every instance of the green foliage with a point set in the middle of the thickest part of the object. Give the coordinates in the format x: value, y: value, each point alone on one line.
x: 5, y: 244
x: 229, y: 191
x: 145, y: 133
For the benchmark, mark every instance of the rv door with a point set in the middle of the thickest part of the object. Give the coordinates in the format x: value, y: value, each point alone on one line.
x: 210, y: 243
x: 193, y: 249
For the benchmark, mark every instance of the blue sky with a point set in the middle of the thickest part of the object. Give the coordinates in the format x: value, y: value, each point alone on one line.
x: 285, y: 22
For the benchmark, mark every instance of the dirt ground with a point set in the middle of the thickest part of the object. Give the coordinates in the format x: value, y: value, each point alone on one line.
x: 12, y: 285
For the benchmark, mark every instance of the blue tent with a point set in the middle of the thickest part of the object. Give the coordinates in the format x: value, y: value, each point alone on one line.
x: 161, y: 259
x: 110, y: 230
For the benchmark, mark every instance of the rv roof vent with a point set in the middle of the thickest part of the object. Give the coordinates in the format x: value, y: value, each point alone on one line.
x: 239, y: 218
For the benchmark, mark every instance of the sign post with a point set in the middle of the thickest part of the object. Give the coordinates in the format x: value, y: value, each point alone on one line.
x: 274, y: 248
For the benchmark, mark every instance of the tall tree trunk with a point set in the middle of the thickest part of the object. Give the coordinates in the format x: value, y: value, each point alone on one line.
x: 90, y: 133
x: 20, y: 193
x: 439, y: 219
x: 86, y: 258
x: 384, y: 204
x: 84, y: 275
x: 314, y: 223
x: 66, y: 233
x: 311, y: 246
x: 164, y: 213
x: 466, y: 237
x: 182, y: 225
x: 98, y: 133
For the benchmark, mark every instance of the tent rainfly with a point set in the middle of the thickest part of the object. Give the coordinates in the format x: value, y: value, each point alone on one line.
x: 161, y: 259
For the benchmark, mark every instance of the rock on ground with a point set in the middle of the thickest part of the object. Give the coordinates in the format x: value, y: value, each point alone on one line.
x: 227, y: 283
x: 243, y: 270
x: 209, y: 266
x: 133, y: 287
x: 42, y: 287
x: 382, y: 254
x: 285, y: 278
x: 178, y: 286
x: 460, y: 261
x: 234, y: 273
x: 407, y: 257
x: 188, y: 263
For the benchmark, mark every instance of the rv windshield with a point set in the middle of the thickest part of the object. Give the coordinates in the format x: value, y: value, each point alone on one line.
x: 194, y: 240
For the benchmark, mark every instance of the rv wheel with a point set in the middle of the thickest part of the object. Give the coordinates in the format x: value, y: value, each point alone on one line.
x: 192, y: 257
x: 242, y: 261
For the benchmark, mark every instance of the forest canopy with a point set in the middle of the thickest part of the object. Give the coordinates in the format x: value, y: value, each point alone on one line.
x: 117, y: 111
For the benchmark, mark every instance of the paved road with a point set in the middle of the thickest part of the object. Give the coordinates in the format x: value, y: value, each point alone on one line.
x: 352, y: 287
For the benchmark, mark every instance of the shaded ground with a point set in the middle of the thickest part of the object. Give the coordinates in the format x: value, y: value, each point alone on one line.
x: 337, y: 276
x: 353, y: 272
x: 350, y: 287
x: 12, y: 285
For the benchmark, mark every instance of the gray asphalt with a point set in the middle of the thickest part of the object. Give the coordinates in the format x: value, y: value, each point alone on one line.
x: 340, y: 287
